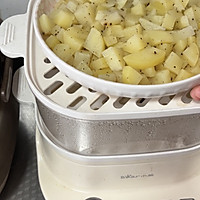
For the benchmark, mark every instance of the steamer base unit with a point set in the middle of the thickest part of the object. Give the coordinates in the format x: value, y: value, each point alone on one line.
x: 67, y: 175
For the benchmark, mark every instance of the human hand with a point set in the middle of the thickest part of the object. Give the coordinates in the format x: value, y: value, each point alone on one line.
x: 195, y: 93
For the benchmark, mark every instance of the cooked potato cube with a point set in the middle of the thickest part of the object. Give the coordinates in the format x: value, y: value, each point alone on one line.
x: 149, y: 72
x: 63, y: 51
x: 113, y: 58
x: 147, y: 25
x: 111, y: 18
x: 82, y: 56
x: 167, y: 47
x: 45, y: 24
x: 148, y: 57
x: 63, y: 18
x: 183, y: 33
x: 135, y: 43
x: 108, y: 77
x: 174, y: 63
x: 84, y: 68
x: 131, y: 76
x: 99, y: 63
x: 180, y: 46
x: 191, y: 17
x: 75, y: 43
x: 183, y: 74
x: 117, y: 30
x: 94, y: 42
x: 85, y: 13
x: 110, y: 40
x: 119, y: 76
x: 145, y: 80
x: 182, y: 22
x: 157, y: 37
x: 121, y: 3
x: 130, y: 31
x: 72, y: 5
x: 161, y: 77
x: 52, y: 41
x: 169, y: 21
x: 191, y: 54
x: 138, y: 9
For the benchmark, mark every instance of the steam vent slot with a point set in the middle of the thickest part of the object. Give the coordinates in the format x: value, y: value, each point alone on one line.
x: 73, y: 88
x: 51, y: 73
x: 120, y: 102
x: 142, y: 102
x: 99, y: 102
x: 77, y: 103
x: 52, y: 88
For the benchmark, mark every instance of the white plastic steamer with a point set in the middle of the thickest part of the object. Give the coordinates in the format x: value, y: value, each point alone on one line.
x: 172, y: 174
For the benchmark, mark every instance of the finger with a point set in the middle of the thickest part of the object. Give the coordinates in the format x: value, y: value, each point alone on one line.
x: 195, y: 93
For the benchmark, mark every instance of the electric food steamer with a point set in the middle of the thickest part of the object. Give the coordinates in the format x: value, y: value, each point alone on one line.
x: 93, y: 146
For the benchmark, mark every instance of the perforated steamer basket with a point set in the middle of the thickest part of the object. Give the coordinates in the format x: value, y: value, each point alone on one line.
x: 85, y: 136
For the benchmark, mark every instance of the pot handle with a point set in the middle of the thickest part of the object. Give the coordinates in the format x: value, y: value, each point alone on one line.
x: 13, y: 34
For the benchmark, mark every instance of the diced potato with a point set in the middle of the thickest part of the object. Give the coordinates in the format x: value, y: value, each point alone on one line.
x: 63, y: 18
x: 149, y: 72
x: 167, y: 47
x: 111, y: 18
x: 82, y: 56
x: 119, y: 76
x: 130, y: 31
x: 117, y: 30
x: 191, y: 17
x: 179, y: 5
x: 147, y: 25
x: 180, y: 46
x: 173, y: 63
x: 145, y: 80
x: 72, y: 5
x: 161, y: 77
x: 135, y: 43
x: 191, y: 54
x: 52, y: 41
x: 121, y: 3
x: 75, y: 43
x: 191, y: 40
x: 85, y: 13
x: 99, y: 64
x: 63, y: 51
x: 138, y: 9
x: 108, y: 76
x: 82, y: 66
x: 110, y: 40
x: 169, y: 21
x: 59, y: 36
x: 182, y: 22
x: 183, y: 33
x: 148, y: 57
x: 183, y: 75
x: 131, y: 76
x: 94, y: 42
x: 156, y: 19
x: 45, y: 24
x: 157, y: 37
x: 131, y: 20
x: 113, y: 58
x: 103, y: 71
